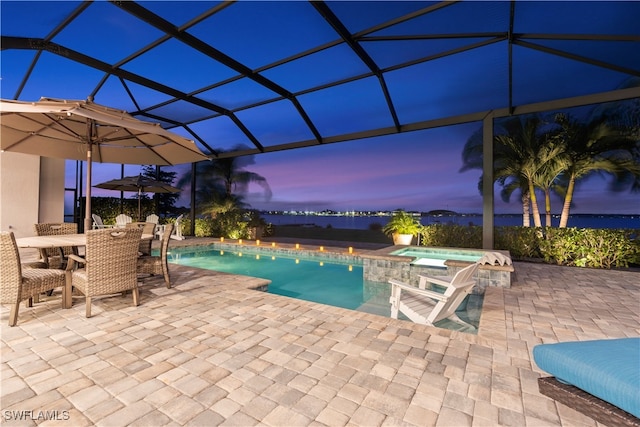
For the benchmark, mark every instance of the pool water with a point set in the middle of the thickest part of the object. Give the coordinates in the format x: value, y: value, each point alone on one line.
x: 323, y: 281
x: 436, y: 257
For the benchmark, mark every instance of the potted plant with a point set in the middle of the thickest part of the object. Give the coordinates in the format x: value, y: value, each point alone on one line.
x: 402, y: 227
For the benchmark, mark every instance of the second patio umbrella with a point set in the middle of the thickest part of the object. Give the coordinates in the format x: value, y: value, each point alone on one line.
x: 139, y: 184
x: 83, y: 130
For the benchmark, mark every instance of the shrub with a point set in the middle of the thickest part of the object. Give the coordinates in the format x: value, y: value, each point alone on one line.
x: 587, y: 247
x: 205, y: 227
x: 597, y: 248
x: 521, y: 242
x: 455, y: 236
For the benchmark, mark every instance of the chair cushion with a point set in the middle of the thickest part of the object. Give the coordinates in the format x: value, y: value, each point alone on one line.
x: 608, y: 369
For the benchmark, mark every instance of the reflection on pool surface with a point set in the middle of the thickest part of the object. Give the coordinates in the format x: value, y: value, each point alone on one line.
x: 321, y: 280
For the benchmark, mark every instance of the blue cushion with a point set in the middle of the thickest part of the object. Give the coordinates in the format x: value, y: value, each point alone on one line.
x: 607, y: 369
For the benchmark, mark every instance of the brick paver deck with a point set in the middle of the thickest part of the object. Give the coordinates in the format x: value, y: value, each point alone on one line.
x: 212, y: 351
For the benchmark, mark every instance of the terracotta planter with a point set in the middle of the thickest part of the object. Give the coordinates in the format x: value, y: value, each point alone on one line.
x: 402, y: 239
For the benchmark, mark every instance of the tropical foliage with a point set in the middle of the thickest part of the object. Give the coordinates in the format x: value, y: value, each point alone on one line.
x: 554, y: 153
x: 221, y: 187
x: 586, y: 247
x: 402, y: 222
x: 222, y: 184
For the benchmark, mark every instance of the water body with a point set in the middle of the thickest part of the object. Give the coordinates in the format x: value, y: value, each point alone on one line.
x: 364, y: 222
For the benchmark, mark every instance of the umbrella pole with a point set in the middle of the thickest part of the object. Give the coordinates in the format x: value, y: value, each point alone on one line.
x: 87, y: 212
x: 139, y: 211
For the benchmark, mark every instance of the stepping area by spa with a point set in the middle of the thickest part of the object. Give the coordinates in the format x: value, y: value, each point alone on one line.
x: 213, y: 351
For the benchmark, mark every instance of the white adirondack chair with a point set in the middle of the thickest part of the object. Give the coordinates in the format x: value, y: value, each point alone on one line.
x: 97, y: 222
x: 427, y: 306
x: 122, y: 220
x: 177, y: 230
x: 154, y: 219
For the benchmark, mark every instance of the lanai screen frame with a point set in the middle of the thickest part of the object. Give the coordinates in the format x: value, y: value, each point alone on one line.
x: 354, y: 41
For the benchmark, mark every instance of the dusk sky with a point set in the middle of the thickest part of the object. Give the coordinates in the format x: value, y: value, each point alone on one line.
x: 315, y: 71
x: 413, y: 171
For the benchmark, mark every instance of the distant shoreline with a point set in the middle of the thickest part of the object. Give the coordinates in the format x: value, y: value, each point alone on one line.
x: 363, y: 222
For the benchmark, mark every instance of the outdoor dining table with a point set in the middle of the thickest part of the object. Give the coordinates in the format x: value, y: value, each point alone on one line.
x: 60, y: 241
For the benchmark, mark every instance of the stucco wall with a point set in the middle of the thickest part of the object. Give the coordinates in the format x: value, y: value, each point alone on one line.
x: 51, y: 190
x: 28, y: 196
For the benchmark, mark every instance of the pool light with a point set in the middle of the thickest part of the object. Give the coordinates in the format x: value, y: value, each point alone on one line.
x: 350, y: 250
x: 257, y: 242
x: 221, y: 239
x: 239, y: 241
x: 321, y: 248
x: 297, y: 245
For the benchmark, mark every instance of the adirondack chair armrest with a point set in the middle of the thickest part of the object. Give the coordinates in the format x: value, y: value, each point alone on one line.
x: 425, y: 292
x: 440, y: 280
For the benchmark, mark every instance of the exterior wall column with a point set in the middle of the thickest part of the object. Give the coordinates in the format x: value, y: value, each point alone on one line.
x: 487, y: 183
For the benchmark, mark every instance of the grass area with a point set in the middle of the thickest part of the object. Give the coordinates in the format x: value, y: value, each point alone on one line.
x: 338, y: 234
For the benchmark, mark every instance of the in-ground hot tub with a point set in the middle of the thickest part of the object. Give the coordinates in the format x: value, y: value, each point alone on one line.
x: 407, y: 263
x: 437, y: 257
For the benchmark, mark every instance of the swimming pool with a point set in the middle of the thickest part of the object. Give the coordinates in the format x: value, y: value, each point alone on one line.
x: 308, y: 277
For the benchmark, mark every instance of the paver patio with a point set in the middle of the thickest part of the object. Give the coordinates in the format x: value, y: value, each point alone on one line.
x: 213, y: 351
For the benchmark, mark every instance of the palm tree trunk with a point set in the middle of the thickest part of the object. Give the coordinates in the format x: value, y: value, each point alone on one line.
x: 526, y: 221
x: 564, y: 217
x: 547, y: 207
x: 534, y: 206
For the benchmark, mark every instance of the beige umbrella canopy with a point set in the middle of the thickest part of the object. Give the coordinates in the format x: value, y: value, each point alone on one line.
x: 83, y: 130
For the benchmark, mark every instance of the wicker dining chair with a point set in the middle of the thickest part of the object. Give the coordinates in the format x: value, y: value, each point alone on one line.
x: 144, y: 248
x: 52, y: 256
x: 109, y: 265
x: 158, y: 264
x: 19, y: 284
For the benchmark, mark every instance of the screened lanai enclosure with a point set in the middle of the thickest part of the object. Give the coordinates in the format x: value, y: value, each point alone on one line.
x: 270, y: 76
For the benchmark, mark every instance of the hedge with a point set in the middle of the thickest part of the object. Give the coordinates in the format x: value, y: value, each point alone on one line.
x: 583, y: 247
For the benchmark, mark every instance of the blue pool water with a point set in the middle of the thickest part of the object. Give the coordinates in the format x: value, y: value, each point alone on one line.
x: 324, y: 281
x: 436, y: 257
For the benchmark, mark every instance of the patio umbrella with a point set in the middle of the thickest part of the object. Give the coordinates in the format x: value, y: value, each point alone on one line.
x: 139, y: 184
x: 83, y: 130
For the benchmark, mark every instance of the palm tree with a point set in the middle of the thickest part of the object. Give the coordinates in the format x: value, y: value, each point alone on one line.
x: 223, y: 182
x: 552, y: 162
x: 624, y: 117
x: 593, y: 147
x: 510, y: 185
x: 515, y: 161
x: 528, y: 155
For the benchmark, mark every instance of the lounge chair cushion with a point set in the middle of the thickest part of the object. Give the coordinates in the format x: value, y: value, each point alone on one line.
x: 608, y: 369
